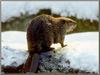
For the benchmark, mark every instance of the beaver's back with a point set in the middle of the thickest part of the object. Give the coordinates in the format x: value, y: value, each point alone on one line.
x: 39, y: 32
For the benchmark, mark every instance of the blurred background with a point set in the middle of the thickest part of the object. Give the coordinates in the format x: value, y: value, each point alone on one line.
x: 15, y: 15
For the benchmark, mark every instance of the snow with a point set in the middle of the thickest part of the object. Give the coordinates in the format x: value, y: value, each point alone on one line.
x: 83, y: 9
x: 82, y: 49
x: 14, y: 39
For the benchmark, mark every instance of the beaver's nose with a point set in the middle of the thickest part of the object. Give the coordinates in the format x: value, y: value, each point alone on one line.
x: 74, y: 23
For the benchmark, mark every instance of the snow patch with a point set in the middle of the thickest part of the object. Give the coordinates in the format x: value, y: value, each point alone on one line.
x: 82, y: 50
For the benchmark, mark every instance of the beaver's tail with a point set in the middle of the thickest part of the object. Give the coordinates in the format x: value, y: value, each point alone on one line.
x: 31, y: 64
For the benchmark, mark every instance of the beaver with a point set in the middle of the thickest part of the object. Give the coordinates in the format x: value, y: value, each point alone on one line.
x: 42, y: 32
x: 45, y: 30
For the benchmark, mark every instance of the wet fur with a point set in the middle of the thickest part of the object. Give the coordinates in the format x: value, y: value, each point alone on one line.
x: 45, y: 30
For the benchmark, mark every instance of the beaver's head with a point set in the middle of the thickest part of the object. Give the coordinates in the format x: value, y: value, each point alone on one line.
x: 67, y: 24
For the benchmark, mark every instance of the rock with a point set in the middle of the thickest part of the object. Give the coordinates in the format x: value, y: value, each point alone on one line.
x: 50, y: 62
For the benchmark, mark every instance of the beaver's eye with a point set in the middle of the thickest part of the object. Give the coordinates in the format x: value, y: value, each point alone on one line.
x: 63, y: 21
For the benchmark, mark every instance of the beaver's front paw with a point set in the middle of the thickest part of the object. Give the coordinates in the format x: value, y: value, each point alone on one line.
x: 64, y: 45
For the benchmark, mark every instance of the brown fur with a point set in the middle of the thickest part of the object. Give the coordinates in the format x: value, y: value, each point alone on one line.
x: 45, y: 30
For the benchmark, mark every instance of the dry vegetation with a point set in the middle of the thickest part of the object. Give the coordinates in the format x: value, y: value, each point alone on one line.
x: 20, y: 23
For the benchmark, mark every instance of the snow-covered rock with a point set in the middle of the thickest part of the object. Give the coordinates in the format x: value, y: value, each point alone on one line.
x: 14, y: 48
x: 81, y: 52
